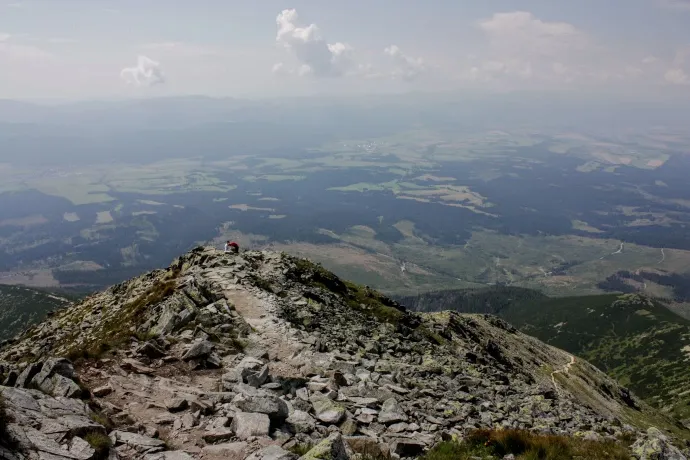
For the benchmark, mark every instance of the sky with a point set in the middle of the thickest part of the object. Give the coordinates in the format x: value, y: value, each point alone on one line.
x: 105, y: 49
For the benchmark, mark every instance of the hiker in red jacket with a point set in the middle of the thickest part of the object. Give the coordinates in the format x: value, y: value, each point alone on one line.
x: 233, y: 247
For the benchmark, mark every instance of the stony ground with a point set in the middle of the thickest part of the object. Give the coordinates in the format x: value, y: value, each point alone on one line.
x: 260, y: 355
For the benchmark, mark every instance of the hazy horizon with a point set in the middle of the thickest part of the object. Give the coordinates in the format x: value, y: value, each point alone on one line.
x: 103, y: 50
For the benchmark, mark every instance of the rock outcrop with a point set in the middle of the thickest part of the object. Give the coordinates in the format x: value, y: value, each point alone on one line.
x: 261, y: 355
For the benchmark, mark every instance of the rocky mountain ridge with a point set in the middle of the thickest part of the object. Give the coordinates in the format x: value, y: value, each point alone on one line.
x: 261, y: 355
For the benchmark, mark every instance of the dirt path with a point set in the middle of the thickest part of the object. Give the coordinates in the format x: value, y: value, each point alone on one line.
x: 564, y: 370
x: 268, y: 330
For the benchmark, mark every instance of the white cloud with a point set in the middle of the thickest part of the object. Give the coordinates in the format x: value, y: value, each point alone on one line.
x: 677, y: 77
x: 406, y: 67
x: 522, y: 47
x: 678, y: 72
x: 315, y: 56
x: 278, y: 68
x: 147, y: 72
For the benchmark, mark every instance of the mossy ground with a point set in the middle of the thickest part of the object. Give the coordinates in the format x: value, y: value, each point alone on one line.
x: 101, y: 443
x: 524, y: 445
x: 117, y: 329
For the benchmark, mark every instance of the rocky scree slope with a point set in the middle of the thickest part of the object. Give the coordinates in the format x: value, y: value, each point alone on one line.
x: 260, y: 355
x: 633, y: 338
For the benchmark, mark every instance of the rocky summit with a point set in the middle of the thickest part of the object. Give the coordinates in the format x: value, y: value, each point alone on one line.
x: 261, y: 355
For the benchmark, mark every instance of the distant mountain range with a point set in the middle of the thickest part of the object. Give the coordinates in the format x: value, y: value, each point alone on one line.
x: 21, y: 307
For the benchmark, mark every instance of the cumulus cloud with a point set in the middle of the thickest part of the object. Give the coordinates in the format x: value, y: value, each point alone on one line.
x: 677, y: 77
x: 147, y: 72
x: 679, y: 71
x: 406, y: 67
x: 315, y: 56
x: 524, y: 47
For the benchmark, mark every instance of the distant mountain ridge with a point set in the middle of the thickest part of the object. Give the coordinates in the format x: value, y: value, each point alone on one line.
x: 631, y: 337
x: 22, y: 307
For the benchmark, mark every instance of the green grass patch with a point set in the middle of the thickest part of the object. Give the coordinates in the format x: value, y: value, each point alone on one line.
x: 101, y: 443
x: 116, y: 330
x: 524, y: 445
x: 300, y: 449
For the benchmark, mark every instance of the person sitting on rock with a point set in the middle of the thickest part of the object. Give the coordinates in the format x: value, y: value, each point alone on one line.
x: 233, y: 247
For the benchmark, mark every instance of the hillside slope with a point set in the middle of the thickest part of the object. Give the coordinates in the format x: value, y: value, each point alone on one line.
x: 21, y: 307
x: 242, y: 356
x: 638, y: 341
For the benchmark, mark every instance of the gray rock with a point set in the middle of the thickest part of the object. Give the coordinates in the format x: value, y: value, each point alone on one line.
x: 328, y: 411
x: 198, y: 350
x: 367, y: 446
x: 176, y: 404
x: 151, y: 350
x: 135, y: 366
x: 55, y: 378
x: 58, y: 385
x: 78, y: 448
x: 391, y: 412
x: 138, y: 442
x: 213, y: 361
x: 272, y: 453
x: 226, y: 451
x: 655, y: 446
x: 256, y: 378
x: 407, y: 447
x: 246, y: 425
x: 24, y: 379
x: 102, y: 391
x: 332, y: 448
x: 217, y: 434
x: 270, y: 405
x: 300, y: 422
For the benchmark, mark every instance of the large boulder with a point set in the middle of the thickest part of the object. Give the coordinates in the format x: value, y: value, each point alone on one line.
x: 140, y: 443
x: 55, y: 378
x: 38, y: 421
x: 391, y: 412
x: 300, y: 422
x: 246, y: 425
x: 332, y: 448
x: 226, y: 451
x: 262, y: 403
x: 328, y: 411
x: 198, y: 350
x: 655, y: 446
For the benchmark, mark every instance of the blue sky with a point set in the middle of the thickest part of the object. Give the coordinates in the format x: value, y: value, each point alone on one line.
x: 85, y: 49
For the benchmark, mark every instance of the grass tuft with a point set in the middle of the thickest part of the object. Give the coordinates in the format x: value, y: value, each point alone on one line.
x: 115, y: 332
x: 525, y: 445
x: 300, y: 449
x: 101, y: 443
